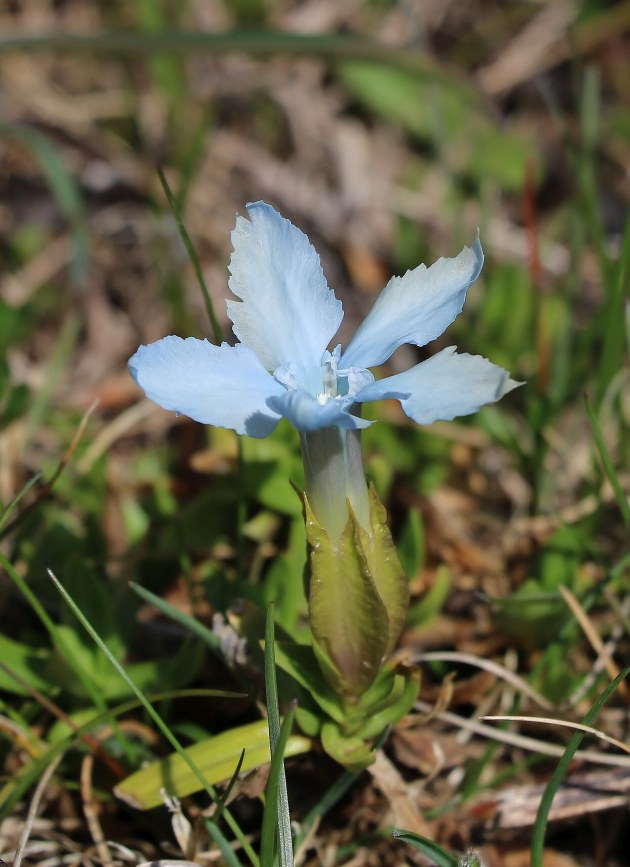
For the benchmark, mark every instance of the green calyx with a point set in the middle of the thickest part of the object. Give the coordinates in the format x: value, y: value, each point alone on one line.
x: 357, y: 599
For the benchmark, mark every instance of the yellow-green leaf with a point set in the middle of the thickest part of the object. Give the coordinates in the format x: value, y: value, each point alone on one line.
x: 216, y: 758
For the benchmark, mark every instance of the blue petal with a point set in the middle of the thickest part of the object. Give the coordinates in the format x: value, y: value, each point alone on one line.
x: 220, y: 385
x: 445, y: 386
x: 287, y: 314
x: 306, y: 413
x: 415, y: 308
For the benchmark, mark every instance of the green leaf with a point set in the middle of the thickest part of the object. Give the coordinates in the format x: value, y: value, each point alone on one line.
x: 192, y: 253
x: 284, y: 584
x: 411, y: 545
x: 442, y: 113
x: 433, y: 600
x: 266, y: 482
x: 533, y: 614
x: 399, y: 702
x: 28, y: 663
x: 276, y: 813
x: 300, y: 662
x: 351, y: 751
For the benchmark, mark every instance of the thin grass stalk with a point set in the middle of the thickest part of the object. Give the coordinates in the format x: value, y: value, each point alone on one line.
x: 157, y: 719
x: 542, y: 816
x: 192, y: 255
x: 613, y: 478
x: 285, y: 842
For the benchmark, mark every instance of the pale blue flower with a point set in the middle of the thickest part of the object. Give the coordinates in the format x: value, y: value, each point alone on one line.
x: 285, y: 318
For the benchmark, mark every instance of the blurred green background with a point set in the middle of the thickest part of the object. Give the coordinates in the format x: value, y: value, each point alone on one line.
x: 388, y: 131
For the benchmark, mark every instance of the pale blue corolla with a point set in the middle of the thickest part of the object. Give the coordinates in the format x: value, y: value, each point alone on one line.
x: 285, y: 319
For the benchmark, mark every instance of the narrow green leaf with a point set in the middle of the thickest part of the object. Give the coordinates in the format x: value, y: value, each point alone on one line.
x: 615, y: 317
x: 261, y: 43
x: 157, y: 719
x: 620, y: 496
x: 276, y: 816
x: 271, y: 684
x: 441, y: 856
x: 229, y: 855
x: 411, y: 544
x: 54, y: 632
x: 349, y: 750
x: 237, y: 771
x: 28, y: 663
x: 398, y: 703
x: 5, y: 513
x: 432, y: 602
x: 206, y: 635
x: 64, y: 188
x: 192, y: 255
x: 300, y: 662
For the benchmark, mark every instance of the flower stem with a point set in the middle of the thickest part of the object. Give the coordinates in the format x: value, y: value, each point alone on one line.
x: 333, y: 470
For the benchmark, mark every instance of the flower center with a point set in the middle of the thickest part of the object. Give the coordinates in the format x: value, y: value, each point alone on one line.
x: 329, y: 382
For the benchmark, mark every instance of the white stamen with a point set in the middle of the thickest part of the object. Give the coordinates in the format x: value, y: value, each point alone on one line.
x: 329, y: 379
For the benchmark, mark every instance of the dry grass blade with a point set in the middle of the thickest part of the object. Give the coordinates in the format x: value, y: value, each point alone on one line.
x: 90, y: 811
x: 563, y: 724
x: 594, y: 638
x: 487, y: 665
x: 113, y: 431
x: 33, y: 808
x: 521, y: 741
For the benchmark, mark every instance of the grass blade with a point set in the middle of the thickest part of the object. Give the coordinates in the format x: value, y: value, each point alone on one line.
x: 229, y: 856
x: 540, y: 825
x: 622, y: 500
x: 258, y: 43
x: 192, y: 255
x: 155, y: 716
x: 65, y: 190
x: 441, y: 857
x: 55, y: 634
x: 277, y: 742
x: 208, y: 637
x: 15, y: 789
x: 5, y: 513
x: 276, y: 815
x: 615, y: 320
